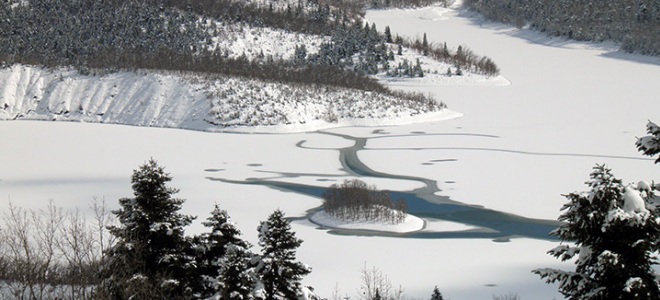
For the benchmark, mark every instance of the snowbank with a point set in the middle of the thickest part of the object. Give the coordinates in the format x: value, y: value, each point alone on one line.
x: 410, y: 224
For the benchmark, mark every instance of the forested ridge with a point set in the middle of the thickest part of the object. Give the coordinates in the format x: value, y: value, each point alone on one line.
x: 144, y: 34
x: 633, y: 23
x: 179, y: 35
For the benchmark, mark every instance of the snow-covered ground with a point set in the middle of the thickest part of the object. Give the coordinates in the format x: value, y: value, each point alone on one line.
x: 239, y: 39
x: 196, y: 101
x: 516, y: 149
x: 410, y: 223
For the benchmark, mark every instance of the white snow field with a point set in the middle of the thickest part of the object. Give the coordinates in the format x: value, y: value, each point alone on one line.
x: 517, y: 148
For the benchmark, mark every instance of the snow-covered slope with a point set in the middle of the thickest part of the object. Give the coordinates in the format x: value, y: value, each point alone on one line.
x: 236, y: 39
x: 193, y: 101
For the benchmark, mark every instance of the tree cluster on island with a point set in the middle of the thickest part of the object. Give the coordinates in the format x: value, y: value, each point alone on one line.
x: 355, y: 200
x: 634, y: 24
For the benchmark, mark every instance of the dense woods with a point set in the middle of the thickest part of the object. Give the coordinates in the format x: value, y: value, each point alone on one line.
x: 176, y: 35
x: 633, y: 23
x: 142, y: 34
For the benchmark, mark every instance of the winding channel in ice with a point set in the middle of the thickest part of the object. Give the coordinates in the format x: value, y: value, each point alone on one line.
x: 423, y: 202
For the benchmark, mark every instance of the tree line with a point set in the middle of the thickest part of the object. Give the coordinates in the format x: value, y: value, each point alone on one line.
x: 633, y: 23
x: 144, y: 254
x: 140, y: 251
x: 365, y: 50
x: 102, y: 36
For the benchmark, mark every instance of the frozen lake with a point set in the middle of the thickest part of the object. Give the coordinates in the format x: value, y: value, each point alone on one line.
x: 516, y: 150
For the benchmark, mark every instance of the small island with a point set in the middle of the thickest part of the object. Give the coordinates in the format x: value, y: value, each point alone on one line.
x: 356, y: 205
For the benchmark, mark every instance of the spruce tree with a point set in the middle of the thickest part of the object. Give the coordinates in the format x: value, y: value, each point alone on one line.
x: 613, y: 231
x: 388, y: 35
x: 279, y: 272
x: 236, y: 279
x: 213, y: 247
x: 436, y: 294
x: 650, y: 144
x: 148, y: 260
x: 418, y: 71
x: 425, y: 46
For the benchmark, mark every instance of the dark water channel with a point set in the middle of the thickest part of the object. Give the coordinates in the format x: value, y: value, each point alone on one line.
x: 422, y: 202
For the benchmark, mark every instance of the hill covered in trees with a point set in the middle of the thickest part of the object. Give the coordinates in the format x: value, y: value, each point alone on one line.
x: 633, y: 23
x: 297, y: 44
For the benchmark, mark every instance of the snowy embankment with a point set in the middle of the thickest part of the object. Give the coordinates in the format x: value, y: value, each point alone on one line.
x: 410, y: 223
x: 190, y: 101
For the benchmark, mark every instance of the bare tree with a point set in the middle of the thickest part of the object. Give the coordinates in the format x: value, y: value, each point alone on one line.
x: 50, y: 253
x: 507, y: 296
x: 374, y: 282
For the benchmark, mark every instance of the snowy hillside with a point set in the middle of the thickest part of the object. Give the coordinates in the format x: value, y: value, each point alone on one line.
x: 235, y: 40
x: 197, y: 78
x: 195, y: 101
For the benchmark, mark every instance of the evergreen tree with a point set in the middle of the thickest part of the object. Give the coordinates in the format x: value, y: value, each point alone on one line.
x: 458, y: 71
x: 213, y: 246
x: 436, y: 294
x: 149, y: 260
x: 388, y: 35
x: 277, y: 269
x: 417, y: 70
x: 425, y: 46
x: 300, y: 54
x: 650, y: 144
x: 613, y: 231
x: 236, y: 279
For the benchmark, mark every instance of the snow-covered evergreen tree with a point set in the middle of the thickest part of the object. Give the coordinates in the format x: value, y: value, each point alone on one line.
x: 149, y: 260
x: 613, y: 233
x: 650, y: 144
x: 213, y: 247
x: 278, y: 271
x: 236, y: 279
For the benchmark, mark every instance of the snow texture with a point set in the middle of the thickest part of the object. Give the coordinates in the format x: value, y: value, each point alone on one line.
x: 410, y: 224
x: 488, y: 148
x: 196, y: 102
